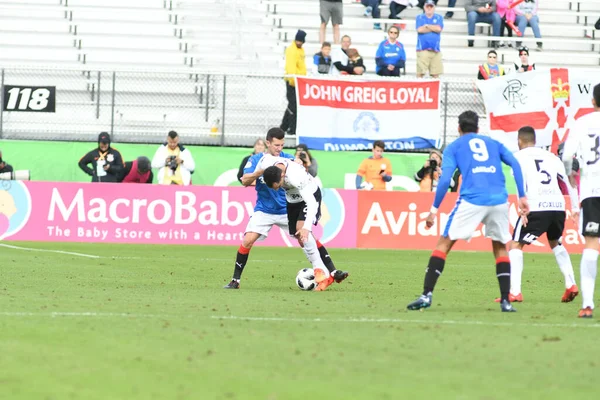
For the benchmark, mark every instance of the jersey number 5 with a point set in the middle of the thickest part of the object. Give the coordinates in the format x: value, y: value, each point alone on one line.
x: 479, y: 149
x: 541, y: 171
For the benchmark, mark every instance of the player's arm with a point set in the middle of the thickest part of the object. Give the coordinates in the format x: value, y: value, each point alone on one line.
x: 509, y: 159
x: 569, y: 151
x: 251, y: 174
x: 312, y: 206
x: 573, y: 195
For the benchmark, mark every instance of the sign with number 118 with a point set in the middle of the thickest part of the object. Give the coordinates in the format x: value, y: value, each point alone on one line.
x: 29, y: 98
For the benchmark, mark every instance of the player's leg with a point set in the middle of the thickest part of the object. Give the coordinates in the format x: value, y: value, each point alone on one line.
x: 258, y: 227
x: 515, y: 256
x: 497, y: 228
x: 338, y: 276
x: 554, y: 233
x: 462, y: 222
x: 590, y: 229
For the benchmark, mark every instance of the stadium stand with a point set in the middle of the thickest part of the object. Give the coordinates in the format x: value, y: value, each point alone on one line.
x: 165, y: 60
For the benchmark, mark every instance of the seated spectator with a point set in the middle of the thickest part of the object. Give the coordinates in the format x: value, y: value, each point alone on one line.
x: 322, y: 60
x: 507, y: 16
x: 451, y: 4
x: 490, y: 69
x: 390, y: 57
x: 339, y: 60
x: 107, y: 162
x: 137, y: 171
x: 355, y: 61
x: 396, y: 7
x: 4, y: 167
x: 259, y: 147
x: 429, y: 29
x: 376, y: 170
x: 524, y: 56
x: 372, y: 9
x: 527, y: 16
x: 303, y: 154
x: 174, y: 162
x: 482, y: 11
x: 334, y: 10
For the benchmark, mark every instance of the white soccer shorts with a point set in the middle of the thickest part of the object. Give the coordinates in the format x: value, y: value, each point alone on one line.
x: 262, y: 223
x: 466, y: 217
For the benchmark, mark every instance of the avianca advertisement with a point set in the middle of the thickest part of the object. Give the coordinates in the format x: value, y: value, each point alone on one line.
x: 208, y: 215
x: 337, y: 114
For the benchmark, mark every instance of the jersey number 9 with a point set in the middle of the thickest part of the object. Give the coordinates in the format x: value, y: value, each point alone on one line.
x: 479, y: 149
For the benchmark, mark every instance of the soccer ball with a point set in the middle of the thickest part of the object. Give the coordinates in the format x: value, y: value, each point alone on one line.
x: 306, y: 279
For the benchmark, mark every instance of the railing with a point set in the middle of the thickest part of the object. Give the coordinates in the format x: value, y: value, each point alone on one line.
x: 142, y: 106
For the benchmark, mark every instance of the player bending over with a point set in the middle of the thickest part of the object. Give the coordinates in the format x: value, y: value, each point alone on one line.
x: 303, y: 198
x: 542, y: 171
x: 270, y: 210
x: 584, y: 140
x: 483, y: 199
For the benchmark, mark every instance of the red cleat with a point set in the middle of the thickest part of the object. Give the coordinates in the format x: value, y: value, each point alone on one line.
x: 512, y: 298
x: 570, y: 294
x: 323, y: 280
x: 585, y: 312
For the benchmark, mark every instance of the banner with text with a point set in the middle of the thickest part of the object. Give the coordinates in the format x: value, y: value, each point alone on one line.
x: 337, y: 115
x: 134, y: 213
x: 548, y: 100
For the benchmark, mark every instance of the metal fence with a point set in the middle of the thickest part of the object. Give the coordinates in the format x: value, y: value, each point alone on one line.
x: 203, y: 107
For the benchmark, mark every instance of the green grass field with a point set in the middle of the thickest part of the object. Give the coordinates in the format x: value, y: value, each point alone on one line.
x: 153, y: 322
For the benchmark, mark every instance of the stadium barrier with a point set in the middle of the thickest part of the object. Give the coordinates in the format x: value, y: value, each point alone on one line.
x: 202, y: 215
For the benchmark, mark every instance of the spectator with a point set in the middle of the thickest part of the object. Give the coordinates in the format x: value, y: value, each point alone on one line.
x: 390, y: 56
x: 355, y: 61
x: 322, y: 60
x: 4, y: 167
x: 137, y: 171
x: 376, y: 170
x: 482, y: 11
x: 507, y: 15
x: 294, y: 65
x: 527, y: 16
x: 396, y: 7
x: 429, y: 175
x: 107, y: 162
x: 451, y: 4
x: 307, y: 159
x: 339, y: 60
x: 372, y: 9
x: 259, y: 147
x: 334, y: 10
x: 490, y: 69
x: 524, y: 56
x: 429, y: 29
x: 175, y: 162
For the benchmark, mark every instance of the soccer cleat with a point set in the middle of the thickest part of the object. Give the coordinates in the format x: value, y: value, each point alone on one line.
x: 323, y: 280
x: 585, y: 312
x: 339, y: 276
x: 505, y: 306
x: 232, y: 285
x: 512, y: 298
x: 570, y: 294
x: 421, y: 302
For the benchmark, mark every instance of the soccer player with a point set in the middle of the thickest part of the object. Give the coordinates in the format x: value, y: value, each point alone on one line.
x: 270, y: 210
x: 542, y: 171
x: 584, y: 140
x: 483, y: 198
x: 303, y: 198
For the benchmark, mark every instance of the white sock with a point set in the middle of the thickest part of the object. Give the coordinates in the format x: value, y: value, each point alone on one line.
x: 564, y: 263
x: 589, y: 267
x: 516, y: 270
x: 312, y: 253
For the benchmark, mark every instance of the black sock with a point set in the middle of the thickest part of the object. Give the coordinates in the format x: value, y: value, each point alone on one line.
x: 325, y: 257
x: 434, y: 270
x: 503, y: 274
x: 240, y: 262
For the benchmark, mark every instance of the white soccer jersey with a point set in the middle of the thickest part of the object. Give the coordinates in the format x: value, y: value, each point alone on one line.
x: 584, y: 140
x: 541, y: 172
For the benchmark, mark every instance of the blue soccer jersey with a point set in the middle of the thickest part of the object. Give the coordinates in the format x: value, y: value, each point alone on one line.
x: 268, y: 200
x: 479, y: 160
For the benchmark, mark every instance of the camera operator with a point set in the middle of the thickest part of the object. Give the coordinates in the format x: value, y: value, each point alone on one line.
x: 4, y: 167
x: 429, y: 175
x: 107, y: 162
x: 175, y: 162
x: 303, y: 154
x: 137, y: 171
